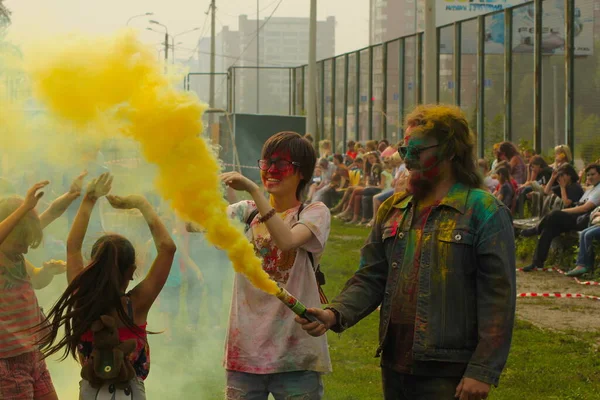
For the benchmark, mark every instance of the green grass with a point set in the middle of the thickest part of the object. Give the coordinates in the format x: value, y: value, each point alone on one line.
x: 542, y: 364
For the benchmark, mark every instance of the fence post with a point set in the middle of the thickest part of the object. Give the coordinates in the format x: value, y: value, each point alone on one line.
x: 457, y: 61
x: 345, y: 122
x: 419, y: 73
x: 480, y: 84
x: 570, y: 75
x: 508, y: 44
x: 333, y: 82
x: 401, y: 70
x: 537, y: 73
x: 384, y: 92
x: 370, y: 94
x: 357, y: 94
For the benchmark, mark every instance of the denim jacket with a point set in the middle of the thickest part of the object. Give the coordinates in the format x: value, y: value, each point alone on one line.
x: 467, y: 285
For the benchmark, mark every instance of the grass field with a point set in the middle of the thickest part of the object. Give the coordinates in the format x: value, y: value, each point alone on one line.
x: 542, y: 364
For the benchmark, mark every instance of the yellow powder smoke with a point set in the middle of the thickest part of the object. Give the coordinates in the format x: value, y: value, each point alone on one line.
x: 118, y: 82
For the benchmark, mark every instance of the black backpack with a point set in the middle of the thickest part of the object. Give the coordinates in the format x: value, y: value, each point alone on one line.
x: 317, y: 269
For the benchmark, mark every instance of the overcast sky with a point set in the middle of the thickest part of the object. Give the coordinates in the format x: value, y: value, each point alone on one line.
x: 43, y: 18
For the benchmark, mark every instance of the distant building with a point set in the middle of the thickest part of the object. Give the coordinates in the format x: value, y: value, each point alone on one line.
x: 283, y: 42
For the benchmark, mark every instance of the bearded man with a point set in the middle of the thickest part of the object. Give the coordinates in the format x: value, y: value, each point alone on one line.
x: 440, y: 260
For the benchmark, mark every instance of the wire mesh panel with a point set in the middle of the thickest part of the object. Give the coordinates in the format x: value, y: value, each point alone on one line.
x: 364, y: 96
x: 353, y: 78
x: 522, y: 75
x: 446, y: 65
x: 553, y: 77
x: 340, y: 68
x: 410, y: 65
x: 299, y: 90
x: 468, y: 72
x: 394, y: 125
x: 493, y: 86
x: 327, y: 85
x: 587, y: 81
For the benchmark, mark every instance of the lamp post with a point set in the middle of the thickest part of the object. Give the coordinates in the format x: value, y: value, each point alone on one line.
x: 137, y: 16
x: 166, y: 39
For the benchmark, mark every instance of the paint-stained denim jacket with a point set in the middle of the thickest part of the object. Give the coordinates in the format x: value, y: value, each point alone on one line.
x: 467, y: 287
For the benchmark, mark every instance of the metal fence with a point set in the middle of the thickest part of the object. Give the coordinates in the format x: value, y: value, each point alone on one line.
x: 529, y: 74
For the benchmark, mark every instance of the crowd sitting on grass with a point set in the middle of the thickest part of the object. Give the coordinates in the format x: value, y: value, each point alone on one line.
x: 562, y: 199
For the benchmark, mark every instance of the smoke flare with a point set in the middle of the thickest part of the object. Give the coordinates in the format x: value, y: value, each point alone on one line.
x: 117, y: 84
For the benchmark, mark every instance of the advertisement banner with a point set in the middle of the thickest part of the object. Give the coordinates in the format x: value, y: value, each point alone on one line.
x: 553, y: 26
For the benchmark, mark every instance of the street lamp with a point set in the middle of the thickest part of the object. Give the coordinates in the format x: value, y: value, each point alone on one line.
x: 152, y: 21
x: 136, y: 16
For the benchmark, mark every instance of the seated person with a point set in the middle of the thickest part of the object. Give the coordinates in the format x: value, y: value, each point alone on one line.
x: 488, y: 181
x: 506, y: 192
x: 567, y: 220
x: 586, y: 256
x: 564, y: 183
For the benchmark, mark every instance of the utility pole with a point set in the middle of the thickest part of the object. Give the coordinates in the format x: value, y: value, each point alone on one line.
x: 257, y: 56
x: 211, y: 101
x: 311, y: 104
x: 166, y: 50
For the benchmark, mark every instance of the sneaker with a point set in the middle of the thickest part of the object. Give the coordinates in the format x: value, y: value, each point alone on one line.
x: 577, y: 271
x: 529, y: 232
x: 530, y: 268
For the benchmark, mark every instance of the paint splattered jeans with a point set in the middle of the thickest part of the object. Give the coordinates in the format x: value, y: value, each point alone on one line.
x: 297, y: 385
x: 135, y: 391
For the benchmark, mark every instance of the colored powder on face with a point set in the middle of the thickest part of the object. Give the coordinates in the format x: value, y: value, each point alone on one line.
x: 117, y: 82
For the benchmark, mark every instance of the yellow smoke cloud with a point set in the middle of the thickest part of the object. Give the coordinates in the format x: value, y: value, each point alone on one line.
x: 117, y: 83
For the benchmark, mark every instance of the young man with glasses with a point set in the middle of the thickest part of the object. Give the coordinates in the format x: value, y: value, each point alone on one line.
x: 440, y: 261
x: 266, y: 351
x: 567, y: 220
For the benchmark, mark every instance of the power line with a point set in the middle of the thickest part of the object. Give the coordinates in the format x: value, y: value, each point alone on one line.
x: 258, y: 31
x: 202, y: 34
x: 251, y: 14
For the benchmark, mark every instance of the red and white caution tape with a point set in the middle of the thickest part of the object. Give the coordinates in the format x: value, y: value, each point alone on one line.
x: 559, y: 295
x: 560, y: 271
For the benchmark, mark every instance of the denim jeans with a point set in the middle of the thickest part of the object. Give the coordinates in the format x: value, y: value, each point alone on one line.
x: 297, y: 385
x: 398, y: 386
x: 136, y: 391
x: 586, y: 255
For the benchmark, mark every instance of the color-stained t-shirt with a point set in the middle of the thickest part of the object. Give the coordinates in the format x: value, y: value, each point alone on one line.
x: 263, y: 337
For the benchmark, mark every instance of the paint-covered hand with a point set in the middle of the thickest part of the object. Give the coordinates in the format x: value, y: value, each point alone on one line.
x: 327, y: 318
x: 126, y: 202
x: 100, y: 186
x: 77, y: 185
x: 472, y: 389
x: 33, y: 196
x: 239, y: 182
x: 55, y: 267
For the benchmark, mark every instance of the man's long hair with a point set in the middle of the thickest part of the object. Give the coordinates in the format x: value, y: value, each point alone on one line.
x: 449, y: 126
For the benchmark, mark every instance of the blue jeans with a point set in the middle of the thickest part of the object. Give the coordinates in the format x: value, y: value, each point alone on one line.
x: 586, y: 255
x: 305, y: 385
x: 398, y: 386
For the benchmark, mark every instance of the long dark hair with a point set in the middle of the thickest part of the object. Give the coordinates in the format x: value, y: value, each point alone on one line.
x: 96, y: 291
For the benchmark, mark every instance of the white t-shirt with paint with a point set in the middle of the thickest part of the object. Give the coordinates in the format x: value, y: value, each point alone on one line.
x: 263, y: 337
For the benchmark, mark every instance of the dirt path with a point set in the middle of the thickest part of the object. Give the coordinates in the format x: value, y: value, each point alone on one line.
x: 558, y: 313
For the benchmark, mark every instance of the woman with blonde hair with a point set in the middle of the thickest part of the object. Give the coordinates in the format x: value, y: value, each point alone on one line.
x: 562, y: 156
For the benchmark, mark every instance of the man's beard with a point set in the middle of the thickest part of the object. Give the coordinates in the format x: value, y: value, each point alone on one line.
x: 420, y: 186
